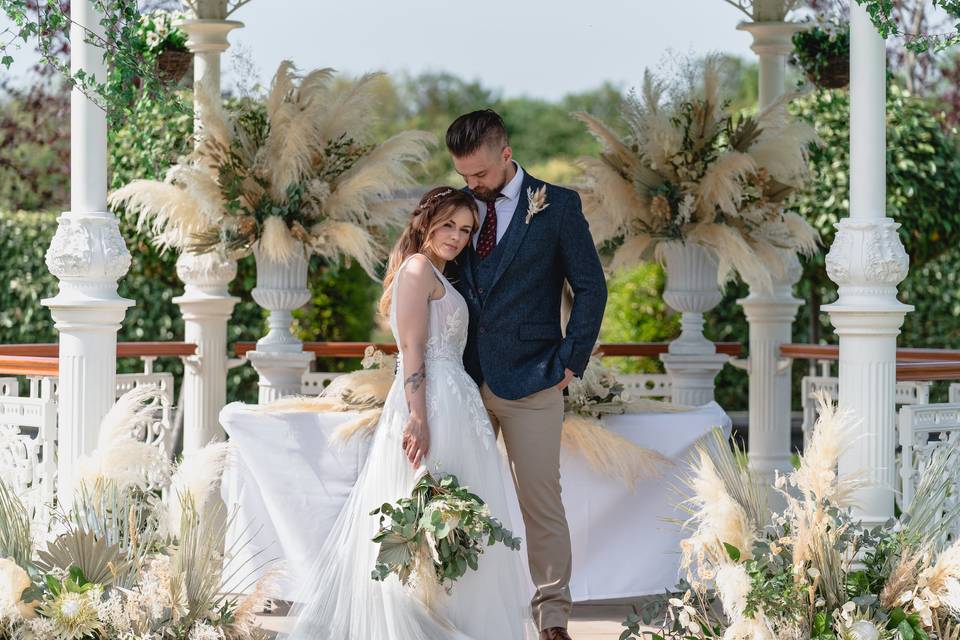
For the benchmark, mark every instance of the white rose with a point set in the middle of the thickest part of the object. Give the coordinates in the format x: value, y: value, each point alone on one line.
x: 13, y: 582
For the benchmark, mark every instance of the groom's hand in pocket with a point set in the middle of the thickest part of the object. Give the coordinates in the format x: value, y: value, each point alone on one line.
x: 416, y: 440
x: 567, y: 377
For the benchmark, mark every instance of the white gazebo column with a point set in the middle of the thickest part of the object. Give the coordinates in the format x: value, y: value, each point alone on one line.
x: 88, y: 257
x: 770, y: 314
x: 867, y: 261
x: 207, y: 40
x: 206, y: 305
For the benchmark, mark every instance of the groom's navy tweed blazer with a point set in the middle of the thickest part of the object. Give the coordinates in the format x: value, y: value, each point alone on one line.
x: 515, y: 343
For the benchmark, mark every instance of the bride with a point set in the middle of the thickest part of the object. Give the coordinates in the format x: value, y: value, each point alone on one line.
x: 434, y: 420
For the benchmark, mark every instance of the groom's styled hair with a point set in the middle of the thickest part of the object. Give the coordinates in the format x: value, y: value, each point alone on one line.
x: 473, y: 130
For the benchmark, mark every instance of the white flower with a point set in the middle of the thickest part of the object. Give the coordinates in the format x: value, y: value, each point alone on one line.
x: 204, y: 631
x: 863, y: 630
x: 13, y: 582
x: 153, y: 40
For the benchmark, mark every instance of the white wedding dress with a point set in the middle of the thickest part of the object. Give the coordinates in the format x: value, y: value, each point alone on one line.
x: 342, y: 601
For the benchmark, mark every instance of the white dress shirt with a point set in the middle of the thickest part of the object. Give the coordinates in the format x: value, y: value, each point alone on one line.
x: 506, y: 205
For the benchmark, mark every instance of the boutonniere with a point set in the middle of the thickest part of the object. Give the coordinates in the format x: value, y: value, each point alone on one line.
x: 537, y: 202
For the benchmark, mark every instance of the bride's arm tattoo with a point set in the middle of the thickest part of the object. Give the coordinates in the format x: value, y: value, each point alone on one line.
x: 417, y: 378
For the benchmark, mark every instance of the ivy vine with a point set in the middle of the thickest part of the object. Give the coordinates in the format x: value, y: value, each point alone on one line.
x: 881, y: 13
x: 131, y: 71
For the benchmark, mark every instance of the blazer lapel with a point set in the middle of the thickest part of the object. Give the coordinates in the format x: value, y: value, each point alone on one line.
x: 517, y: 231
x: 466, y: 267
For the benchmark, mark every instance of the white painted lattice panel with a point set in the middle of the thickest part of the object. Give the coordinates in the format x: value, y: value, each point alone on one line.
x: 926, y: 430
x: 27, y: 450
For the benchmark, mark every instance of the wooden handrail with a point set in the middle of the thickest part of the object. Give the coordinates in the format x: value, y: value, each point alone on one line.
x: 124, y: 349
x: 832, y: 352
x: 654, y: 349
x: 928, y: 371
x: 29, y: 366
x: 355, y: 349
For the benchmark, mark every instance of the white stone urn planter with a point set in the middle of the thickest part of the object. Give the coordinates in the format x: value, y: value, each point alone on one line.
x: 692, y: 361
x: 279, y: 357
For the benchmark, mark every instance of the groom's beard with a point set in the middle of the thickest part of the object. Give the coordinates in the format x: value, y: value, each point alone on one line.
x: 487, y: 195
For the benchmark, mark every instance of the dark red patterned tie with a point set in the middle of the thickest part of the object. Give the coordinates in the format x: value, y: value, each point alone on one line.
x: 487, y: 239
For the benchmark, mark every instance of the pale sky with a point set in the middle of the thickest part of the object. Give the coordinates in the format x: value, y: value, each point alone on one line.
x: 537, y: 48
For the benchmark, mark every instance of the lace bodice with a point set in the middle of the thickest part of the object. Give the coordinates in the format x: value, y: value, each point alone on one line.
x: 447, y: 330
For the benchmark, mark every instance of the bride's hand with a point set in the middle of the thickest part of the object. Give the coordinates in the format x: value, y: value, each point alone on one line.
x: 416, y: 440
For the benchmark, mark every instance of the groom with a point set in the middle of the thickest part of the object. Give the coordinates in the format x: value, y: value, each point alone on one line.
x: 533, y: 236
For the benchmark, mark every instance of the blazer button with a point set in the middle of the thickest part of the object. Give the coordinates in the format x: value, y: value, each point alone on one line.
x: 480, y: 290
x: 483, y: 329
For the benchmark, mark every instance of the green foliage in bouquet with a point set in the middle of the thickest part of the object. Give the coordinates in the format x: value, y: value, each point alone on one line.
x: 436, y: 534
x: 812, y: 571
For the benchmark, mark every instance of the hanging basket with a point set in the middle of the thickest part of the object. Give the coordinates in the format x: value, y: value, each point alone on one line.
x: 172, y: 65
x: 835, y: 74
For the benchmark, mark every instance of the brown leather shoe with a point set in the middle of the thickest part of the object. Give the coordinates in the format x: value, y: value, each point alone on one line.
x: 555, y: 633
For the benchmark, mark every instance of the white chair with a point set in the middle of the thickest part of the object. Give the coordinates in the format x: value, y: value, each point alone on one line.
x: 907, y: 393
x: 28, y: 450
x: 159, y: 432
x: 314, y: 382
x: 9, y: 387
x: 647, y: 385
x: 953, y: 393
x: 923, y: 430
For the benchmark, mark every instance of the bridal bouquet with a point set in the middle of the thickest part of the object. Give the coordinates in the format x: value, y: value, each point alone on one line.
x: 689, y: 170
x: 811, y: 571
x: 137, y: 552
x: 298, y: 173
x: 435, y: 535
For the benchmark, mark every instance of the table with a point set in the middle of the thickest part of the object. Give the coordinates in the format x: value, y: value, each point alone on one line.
x: 286, y: 484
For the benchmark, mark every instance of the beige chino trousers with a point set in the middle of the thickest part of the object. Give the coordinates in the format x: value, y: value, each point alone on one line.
x: 531, y: 429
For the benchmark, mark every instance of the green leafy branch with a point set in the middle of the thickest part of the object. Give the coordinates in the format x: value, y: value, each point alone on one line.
x: 130, y: 75
x: 881, y: 13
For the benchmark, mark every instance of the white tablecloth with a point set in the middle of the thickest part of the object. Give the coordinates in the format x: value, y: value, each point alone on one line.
x: 287, y: 484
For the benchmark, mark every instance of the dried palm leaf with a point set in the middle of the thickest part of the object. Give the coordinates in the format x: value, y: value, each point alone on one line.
x: 100, y: 561
x: 15, y: 537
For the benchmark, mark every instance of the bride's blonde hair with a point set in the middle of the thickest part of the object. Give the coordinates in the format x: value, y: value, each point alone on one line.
x: 436, y: 207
